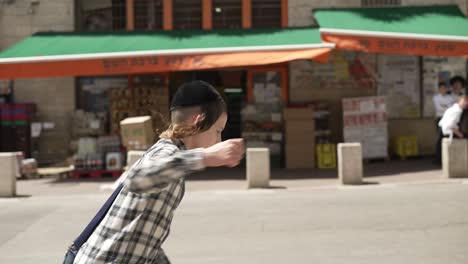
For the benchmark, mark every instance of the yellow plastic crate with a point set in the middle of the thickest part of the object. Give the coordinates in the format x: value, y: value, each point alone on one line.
x: 326, y: 156
x: 405, y: 146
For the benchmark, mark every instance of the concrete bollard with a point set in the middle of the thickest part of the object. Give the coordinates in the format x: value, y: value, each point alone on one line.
x: 258, y: 167
x: 9, y: 167
x: 133, y: 156
x: 350, y: 169
x: 454, y: 158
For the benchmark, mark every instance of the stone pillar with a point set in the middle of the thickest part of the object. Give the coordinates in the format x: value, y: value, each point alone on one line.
x: 258, y: 167
x: 133, y: 156
x: 350, y: 168
x: 454, y: 158
x: 9, y: 167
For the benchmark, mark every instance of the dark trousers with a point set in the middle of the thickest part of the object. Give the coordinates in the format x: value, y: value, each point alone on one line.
x: 439, y: 141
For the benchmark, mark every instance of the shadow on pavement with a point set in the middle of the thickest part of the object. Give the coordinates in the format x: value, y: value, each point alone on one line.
x: 369, y: 183
x: 16, y: 196
x: 395, y: 167
x: 276, y: 187
x: 374, y: 169
x: 81, y: 180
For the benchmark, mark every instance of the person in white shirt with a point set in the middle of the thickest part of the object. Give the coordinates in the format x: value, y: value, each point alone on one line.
x: 449, y: 124
x: 442, y: 101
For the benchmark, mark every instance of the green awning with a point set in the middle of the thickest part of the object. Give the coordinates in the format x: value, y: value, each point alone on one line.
x: 162, y: 42
x: 422, y: 30
x: 159, y: 50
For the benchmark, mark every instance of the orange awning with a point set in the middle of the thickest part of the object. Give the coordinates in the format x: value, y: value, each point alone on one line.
x: 398, y: 45
x: 421, y: 30
x: 100, y: 53
x: 148, y: 64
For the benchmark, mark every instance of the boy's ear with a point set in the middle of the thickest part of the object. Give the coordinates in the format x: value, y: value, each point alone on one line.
x: 198, y: 118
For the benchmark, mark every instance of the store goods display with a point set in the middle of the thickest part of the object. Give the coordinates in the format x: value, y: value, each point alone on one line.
x: 88, y: 124
x: 365, y: 121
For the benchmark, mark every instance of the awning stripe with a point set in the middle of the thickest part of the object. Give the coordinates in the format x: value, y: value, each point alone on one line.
x: 151, y: 64
x: 393, y: 35
x: 108, y: 55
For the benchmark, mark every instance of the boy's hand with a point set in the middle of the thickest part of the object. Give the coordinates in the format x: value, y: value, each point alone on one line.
x: 227, y: 153
x: 457, y: 133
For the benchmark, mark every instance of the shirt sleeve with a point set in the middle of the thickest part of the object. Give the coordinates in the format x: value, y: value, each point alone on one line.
x: 437, y: 104
x: 450, y: 121
x: 163, y: 165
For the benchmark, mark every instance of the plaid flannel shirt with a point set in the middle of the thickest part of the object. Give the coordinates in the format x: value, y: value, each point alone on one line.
x: 139, y: 220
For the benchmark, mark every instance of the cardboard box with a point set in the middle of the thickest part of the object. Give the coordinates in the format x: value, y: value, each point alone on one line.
x: 300, y: 132
x: 300, y: 156
x: 298, y: 96
x: 137, y: 133
x: 303, y: 113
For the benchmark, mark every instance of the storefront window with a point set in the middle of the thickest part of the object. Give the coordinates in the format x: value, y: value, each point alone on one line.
x: 227, y: 14
x: 100, y: 15
x: 380, y: 3
x: 148, y: 14
x: 119, y: 14
x: 187, y: 14
x: 93, y: 92
x: 266, y: 13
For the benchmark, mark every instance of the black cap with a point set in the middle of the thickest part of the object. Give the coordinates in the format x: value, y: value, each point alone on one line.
x: 457, y: 79
x: 193, y: 94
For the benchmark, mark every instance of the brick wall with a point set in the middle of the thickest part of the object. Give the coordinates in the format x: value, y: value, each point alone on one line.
x: 55, y: 97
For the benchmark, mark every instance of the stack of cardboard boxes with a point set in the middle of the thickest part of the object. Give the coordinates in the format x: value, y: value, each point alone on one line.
x: 121, y: 106
x: 300, y: 137
x: 153, y: 101
x: 146, y: 100
x: 148, y: 97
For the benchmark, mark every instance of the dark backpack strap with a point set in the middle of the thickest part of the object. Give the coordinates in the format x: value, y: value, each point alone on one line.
x: 83, y: 237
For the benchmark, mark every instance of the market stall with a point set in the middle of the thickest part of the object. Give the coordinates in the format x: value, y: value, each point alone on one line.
x: 404, y: 43
x: 128, y: 74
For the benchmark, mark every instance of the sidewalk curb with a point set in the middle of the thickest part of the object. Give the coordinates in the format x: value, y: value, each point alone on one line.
x: 337, y: 186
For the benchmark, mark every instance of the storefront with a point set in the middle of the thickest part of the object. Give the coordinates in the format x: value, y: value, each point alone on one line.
x: 134, y: 74
x: 399, y: 53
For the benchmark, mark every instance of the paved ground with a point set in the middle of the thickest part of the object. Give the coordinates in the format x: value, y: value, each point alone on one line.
x: 410, y: 221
